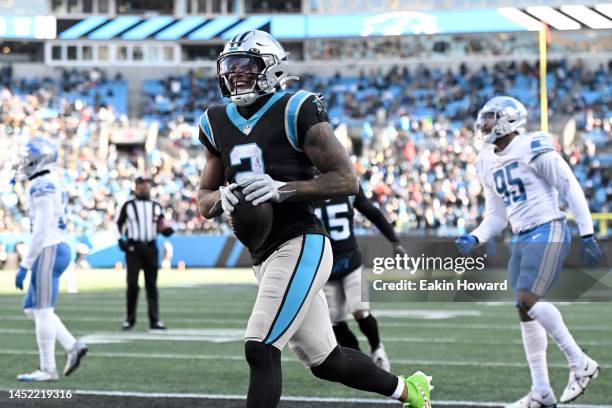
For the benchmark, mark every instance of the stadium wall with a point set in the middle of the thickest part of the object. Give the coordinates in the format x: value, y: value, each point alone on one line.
x: 224, y: 251
x: 197, y: 251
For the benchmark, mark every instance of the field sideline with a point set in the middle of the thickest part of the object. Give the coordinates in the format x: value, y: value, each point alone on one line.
x: 472, y: 350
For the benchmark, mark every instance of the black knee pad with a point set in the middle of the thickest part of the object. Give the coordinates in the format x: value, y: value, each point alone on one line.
x: 258, y: 354
x: 265, y: 382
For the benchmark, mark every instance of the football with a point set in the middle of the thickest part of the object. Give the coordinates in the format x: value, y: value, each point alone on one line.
x: 250, y: 223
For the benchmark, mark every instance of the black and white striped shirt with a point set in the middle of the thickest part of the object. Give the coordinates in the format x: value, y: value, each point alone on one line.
x: 139, y: 218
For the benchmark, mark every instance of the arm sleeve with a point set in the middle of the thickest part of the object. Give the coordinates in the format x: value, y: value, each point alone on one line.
x: 495, y: 219
x: 373, y: 214
x: 311, y: 112
x: 121, y: 220
x: 206, y: 136
x: 43, y: 218
x: 552, y: 168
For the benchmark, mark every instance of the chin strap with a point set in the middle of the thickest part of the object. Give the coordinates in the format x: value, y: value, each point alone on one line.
x: 40, y: 173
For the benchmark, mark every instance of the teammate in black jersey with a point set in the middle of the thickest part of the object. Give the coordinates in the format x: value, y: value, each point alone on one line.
x: 269, y: 143
x: 344, y: 290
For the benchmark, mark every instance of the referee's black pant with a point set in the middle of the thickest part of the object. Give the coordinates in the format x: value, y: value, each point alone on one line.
x: 142, y: 255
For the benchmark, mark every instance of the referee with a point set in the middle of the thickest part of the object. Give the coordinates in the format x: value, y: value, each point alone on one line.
x: 140, y: 220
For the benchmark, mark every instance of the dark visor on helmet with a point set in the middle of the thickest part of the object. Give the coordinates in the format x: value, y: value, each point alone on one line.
x: 240, y: 72
x: 486, y: 121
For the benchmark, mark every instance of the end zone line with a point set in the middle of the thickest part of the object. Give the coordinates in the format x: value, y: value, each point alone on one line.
x: 302, y: 399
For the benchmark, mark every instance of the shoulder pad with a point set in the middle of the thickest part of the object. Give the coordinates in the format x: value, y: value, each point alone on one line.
x: 42, y: 189
x: 292, y: 110
x: 540, y: 142
x: 207, y: 129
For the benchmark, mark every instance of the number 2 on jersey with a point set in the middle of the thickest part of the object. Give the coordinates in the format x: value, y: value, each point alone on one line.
x: 250, y: 152
x: 504, y: 183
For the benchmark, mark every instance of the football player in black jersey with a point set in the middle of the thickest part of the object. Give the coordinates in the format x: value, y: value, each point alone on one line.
x: 343, y: 290
x: 268, y: 143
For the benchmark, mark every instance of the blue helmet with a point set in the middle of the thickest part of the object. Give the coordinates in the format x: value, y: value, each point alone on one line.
x: 37, y: 155
x: 499, y: 117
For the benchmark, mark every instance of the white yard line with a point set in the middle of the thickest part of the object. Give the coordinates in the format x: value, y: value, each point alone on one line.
x: 221, y: 357
x: 195, y: 335
x: 412, y: 323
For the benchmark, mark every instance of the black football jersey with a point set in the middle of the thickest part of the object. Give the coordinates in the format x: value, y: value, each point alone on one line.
x: 338, y: 217
x: 269, y: 142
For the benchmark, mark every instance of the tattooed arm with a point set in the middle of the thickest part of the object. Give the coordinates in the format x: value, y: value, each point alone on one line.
x: 209, y: 197
x: 316, y: 139
x: 337, y: 177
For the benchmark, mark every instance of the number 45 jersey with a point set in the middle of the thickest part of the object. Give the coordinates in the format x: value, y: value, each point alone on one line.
x: 269, y: 142
x: 512, y: 184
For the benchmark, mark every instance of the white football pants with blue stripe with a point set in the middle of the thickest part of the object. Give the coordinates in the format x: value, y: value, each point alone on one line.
x: 40, y: 299
x: 290, y: 305
x: 46, y: 271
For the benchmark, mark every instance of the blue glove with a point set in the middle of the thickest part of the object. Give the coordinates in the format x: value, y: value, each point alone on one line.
x: 20, y: 277
x: 591, y: 252
x: 466, y: 243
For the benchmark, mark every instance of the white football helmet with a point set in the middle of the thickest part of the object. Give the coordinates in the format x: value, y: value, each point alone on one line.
x: 499, y: 117
x: 37, y: 155
x: 251, y: 65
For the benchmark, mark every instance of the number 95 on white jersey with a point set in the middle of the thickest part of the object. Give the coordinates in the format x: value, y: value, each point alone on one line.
x: 512, y: 184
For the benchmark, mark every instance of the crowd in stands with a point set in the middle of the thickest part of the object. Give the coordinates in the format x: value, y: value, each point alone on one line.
x: 429, y: 47
x: 440, y: 47
x: 410, y: 132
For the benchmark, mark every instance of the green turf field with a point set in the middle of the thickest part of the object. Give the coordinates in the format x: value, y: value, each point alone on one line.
x: 472, y: 350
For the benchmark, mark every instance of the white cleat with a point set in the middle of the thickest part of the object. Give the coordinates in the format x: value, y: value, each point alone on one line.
x: 580, y: 379
x: 536, y: 399
x: 74, y: 357
x: 379, y: 357
x: 38, y: 375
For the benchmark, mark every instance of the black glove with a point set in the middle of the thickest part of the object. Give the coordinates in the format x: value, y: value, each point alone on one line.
x: 167, y: 232
x: 123, y: 245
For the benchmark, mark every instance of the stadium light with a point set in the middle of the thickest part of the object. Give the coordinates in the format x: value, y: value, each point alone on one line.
x: 553, y: 18
x: 517, y: 16
x: 587, y: 16
x: 605, y: 9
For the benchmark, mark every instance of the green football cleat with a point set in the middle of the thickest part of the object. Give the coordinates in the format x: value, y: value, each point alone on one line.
x: 419, y: 387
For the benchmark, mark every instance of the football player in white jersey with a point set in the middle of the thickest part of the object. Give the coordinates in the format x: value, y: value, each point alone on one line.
x: 523, y: 176
x: 48, y: 257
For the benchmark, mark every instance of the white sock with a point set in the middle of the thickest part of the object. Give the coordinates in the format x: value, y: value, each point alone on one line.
x: 550, y: 318
x: 535, y: 343
x: 65, y: 338
x: 45, y: 337
x: 401, y: 384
